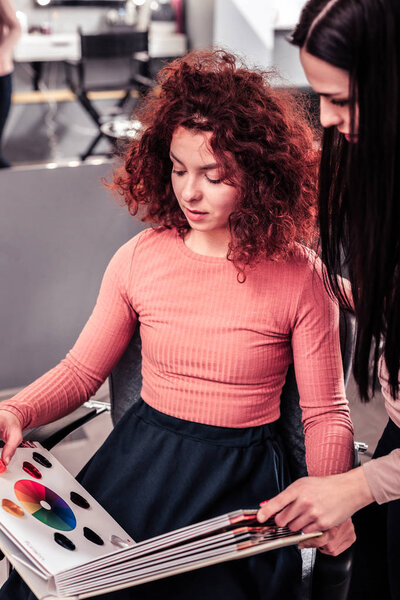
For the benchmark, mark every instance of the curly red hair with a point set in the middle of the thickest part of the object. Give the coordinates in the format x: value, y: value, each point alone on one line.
x: 261, y: 128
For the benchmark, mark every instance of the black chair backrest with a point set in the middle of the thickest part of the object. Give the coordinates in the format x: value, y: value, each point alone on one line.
x: 113, y: 44
x: 125, y: 381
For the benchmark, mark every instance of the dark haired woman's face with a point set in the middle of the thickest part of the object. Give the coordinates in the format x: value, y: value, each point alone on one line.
x: 333, y: 87
x: 204, y: 198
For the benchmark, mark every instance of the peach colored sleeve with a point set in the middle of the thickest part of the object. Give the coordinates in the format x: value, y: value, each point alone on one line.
x: 383, y: 476
x: 88, y: 364
x: 316, y: 351
x: 383, y: 473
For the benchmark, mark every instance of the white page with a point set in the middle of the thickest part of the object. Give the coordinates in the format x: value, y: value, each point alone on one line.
x: 36, y: 538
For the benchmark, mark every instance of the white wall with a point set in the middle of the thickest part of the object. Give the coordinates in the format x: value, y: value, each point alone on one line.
x: 235, y: 29
x: 199, y: 16
x: 62, y: 18
x: 258, y: 30
x: 58, y: 230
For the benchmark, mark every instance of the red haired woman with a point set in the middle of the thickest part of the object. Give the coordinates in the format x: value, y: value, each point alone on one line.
x: 227, y: 296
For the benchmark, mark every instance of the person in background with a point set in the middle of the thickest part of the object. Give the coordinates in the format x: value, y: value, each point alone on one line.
x: 10, y: 31
x: 350, y: 52
x: 227, y: 296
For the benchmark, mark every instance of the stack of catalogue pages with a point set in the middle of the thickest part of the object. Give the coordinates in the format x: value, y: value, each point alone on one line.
x: 65, y: 545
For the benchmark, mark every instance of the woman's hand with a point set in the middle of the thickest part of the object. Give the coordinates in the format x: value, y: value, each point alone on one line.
x: 320, y: 504
x: 11, y: 434
x: 334, y: 541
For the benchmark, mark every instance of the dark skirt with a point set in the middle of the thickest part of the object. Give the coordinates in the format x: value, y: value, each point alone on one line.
x: 376, y: 563
x: 155, y: 473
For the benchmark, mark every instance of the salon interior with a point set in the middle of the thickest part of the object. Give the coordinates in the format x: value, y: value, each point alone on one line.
x: 59, y: 224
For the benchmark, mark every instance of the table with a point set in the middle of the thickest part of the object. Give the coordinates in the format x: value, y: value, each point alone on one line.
x: 34, y: 47
x: 37, y: 48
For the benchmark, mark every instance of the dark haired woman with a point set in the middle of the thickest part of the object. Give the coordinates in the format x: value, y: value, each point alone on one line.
x: 225, y: 295
x: 350, y: 51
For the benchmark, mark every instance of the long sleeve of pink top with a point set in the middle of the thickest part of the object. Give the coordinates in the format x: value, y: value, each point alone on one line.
x: 383, y: 473
x: 214, y: 350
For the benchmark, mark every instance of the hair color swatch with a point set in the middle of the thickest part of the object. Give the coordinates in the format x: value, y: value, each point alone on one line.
x: 31, y: 470
x: 64, y: 542
x: 12, y: 508
x: 33, y: 495
x: 79, y: 500
x: 42, y: 460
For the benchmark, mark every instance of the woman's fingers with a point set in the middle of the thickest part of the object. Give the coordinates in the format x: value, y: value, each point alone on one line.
x: 12, y: 442
x: 323, y: 502
x: 304, y: 522
x: 11, y: 433
x: 334, y: 541
x: 296, y: 506
x: 316, y: 542
x: 276, y: 505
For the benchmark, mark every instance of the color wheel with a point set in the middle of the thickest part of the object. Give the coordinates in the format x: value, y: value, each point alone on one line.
x: 58, y: 516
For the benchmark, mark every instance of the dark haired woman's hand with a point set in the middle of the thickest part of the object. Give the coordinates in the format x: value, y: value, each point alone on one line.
x: 319, y: 503
x: 11, y: 434
x: 335, y: 540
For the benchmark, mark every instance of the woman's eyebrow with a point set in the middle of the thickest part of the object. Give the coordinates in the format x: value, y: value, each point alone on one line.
x: 329, y: 94
x: 172, y: 155
x: 208, y: 167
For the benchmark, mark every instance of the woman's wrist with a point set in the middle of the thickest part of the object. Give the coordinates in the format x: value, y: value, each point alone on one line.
x: 357, y: 488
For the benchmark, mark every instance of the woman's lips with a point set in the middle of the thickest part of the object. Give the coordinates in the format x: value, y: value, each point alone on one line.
x: 195, y: 215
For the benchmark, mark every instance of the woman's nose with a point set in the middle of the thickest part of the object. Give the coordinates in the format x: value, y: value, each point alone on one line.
x: 329, y: 115
x: 191, y: 189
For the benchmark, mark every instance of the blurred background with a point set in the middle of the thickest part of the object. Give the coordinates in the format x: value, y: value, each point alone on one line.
x: 47, y: 121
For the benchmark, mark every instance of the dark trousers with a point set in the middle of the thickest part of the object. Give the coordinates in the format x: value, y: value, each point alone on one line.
x: 155, y: 473
x: 376, y: 567
x: 5, y: 103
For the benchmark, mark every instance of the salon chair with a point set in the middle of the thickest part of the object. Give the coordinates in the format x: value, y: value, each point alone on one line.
x: 324, y: 577
x: 122, y: 51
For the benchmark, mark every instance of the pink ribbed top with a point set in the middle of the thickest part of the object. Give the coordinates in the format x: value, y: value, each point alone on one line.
x: 215, y: 351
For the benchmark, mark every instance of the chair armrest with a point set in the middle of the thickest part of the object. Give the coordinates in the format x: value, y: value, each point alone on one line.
x: 359, y: 448
x: 51, y: 434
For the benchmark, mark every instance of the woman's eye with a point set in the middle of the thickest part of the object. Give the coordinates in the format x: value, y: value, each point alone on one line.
x: 213, y: 180
x: 340, y: 102
x: 179, y: 173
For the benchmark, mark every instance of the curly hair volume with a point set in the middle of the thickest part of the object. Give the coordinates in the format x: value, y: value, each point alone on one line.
x: 259, y: 138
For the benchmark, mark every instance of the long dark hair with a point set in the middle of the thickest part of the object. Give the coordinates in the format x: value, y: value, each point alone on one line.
x: 359, y: 186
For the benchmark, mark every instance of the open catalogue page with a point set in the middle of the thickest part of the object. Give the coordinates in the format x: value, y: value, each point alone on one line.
x: 65, y: 545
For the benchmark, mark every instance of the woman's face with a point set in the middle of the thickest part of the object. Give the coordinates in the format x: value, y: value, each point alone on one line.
x: 333, y: 87
x: 205, y: 200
